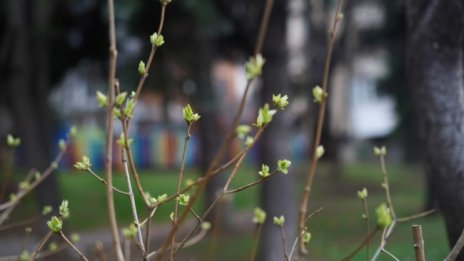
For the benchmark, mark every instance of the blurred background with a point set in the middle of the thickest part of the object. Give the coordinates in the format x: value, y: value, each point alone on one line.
x: 54, y: 58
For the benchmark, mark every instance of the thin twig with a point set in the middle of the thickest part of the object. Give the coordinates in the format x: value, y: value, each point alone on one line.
x: 81, y: 255
x: 320, y: 122
x: 179, y: 183
x: 284, y: 242
x: 40, y: 245
x: 456, y: 250
x: 127, y: 249
x: 361, y: 245
x: 418, y: 242
x: 132, y: 200
x: 104, y: 182
x: 256, y: 241
x: 366, y: 220
x: 390, y: 254
x: 409, y: 218
x: 386, y: 185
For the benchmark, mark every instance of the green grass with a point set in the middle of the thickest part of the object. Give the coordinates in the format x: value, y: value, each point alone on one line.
x: 336, y: 230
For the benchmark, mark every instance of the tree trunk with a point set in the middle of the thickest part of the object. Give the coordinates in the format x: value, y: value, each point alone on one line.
x: 435, y: 73
x: 278, y: 196
x: 27, y: 91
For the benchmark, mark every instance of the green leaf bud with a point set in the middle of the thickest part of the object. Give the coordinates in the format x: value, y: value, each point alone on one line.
x: 24, y: 185
x: 12, y: 141
x: 306, y: 237
x: 183, y: 199
x: 72, y: 132
x: 249, y: 141
x: 282, y: 165
x: 254, y: 66
x: 102, y: 100
x: 320, y: 151
x: 264, y: 171
x: 64, y: 209
x: 362, y: 194
x: 24, y: 255
x: 84, y: 164
x: 279, y: 221
x: 157, y: 40
x: 205, y: 225
x: 55, y: 224
x: 122, y: 140
x: 380, y: 152
x: 279, y: 101
x: 75, y: 238
x: 188, y: 115
x: 46, y: 209
x: 259, y: 216
x: 142, y: 69
x: 242, y: 130
x: 129, y: 232
x: 319, y: 94
x: 384, y: 218
x: 264, y: 116
x: 53, y: 246
x: 121, y: 98
x: 62, y: 144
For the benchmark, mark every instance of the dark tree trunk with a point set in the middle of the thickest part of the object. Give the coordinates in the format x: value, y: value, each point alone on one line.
x: 278, y: 196
x: 27, y: 90
x: 435, y: 73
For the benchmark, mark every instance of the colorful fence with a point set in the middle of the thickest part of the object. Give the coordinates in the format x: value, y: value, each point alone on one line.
x: 157, y: 147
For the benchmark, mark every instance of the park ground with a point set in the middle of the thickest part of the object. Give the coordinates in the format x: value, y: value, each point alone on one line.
x: 336, y: 230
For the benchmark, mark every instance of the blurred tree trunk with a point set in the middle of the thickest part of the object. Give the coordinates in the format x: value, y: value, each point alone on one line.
x: 435, y: 73
x: 278, y: 193
x: 27, y: 89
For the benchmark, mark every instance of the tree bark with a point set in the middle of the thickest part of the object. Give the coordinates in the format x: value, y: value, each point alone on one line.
x: 435, y: 73
x: 27, y: 90
x: 277, y: 196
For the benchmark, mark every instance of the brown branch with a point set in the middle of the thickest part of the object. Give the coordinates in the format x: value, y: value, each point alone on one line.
x: 320, y: 122
x: 284, y: 242
x: 418, y: 241
x: 454, y: 253
x: 20, y: 223
x: 81, y: 255
x: 109, y: 134
x: 409, y: 218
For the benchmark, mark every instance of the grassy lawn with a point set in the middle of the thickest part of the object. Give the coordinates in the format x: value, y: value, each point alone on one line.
x: 336, y: 230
